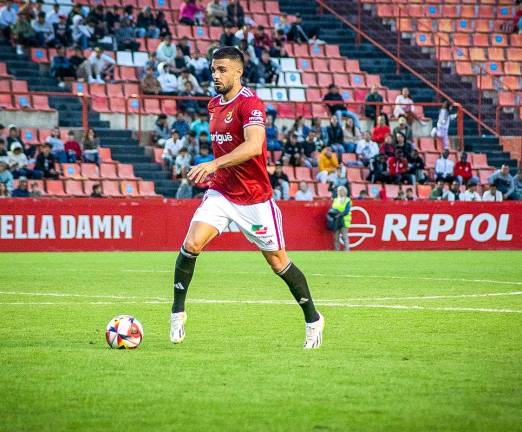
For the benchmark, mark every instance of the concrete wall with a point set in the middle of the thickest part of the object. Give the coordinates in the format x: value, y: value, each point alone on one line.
x: 32, y: 119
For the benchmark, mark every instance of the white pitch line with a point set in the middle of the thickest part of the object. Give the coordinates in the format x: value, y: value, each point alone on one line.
x: 433, y: 297
x: 283, y: 302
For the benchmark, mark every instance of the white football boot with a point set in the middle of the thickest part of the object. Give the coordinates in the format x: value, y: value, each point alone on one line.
x: 177, y: 327
x: 314, y: 333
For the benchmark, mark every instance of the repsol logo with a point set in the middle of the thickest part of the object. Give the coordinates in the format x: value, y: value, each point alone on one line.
x: 221, y: 138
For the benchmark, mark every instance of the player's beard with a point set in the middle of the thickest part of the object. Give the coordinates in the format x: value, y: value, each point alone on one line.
x: 223, y: 89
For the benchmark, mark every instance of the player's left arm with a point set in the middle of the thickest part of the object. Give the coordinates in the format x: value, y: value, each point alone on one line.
x: 251, y: 147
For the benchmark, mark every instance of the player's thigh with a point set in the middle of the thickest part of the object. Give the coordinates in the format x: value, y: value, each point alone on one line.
x: 198, y: 236
x: 277, y: 260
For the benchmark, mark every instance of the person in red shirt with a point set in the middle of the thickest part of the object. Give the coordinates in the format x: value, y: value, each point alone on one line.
x: 462, y: 170
x: 72, y: 148
x: 398, y: 168
x: 381, y: 130
x: 387, y: 148
x: 239, y: 192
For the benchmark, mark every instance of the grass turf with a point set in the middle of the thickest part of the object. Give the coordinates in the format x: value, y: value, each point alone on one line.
x: 453, y: 365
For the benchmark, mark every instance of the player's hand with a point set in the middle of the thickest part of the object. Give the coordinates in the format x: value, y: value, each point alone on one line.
x: 199, y: 173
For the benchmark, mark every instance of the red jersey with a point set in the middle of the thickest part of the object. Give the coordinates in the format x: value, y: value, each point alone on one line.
x: 248, y: 182
x: 463, y: 169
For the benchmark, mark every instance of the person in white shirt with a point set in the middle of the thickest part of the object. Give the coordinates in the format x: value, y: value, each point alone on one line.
x: 492, y: 194
x: 304, y: 193
x: 366, y: 149
x: 168, y: 81
x: 172, y: 148
x: 443, y: 124
x: 246, y: 33
x: 80, y: 32
x: 7, y: 19
x: 101, y: 65
x: 166, y: 51
x: 201, y: 67
x: 471, y: 193
x: 444, y: 167
x: 187, y: 76
x: 44, y: 31
x: 403, y: 104
x: 53, y: 17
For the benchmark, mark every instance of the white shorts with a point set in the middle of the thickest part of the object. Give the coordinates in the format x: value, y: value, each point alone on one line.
x: 260, y: 223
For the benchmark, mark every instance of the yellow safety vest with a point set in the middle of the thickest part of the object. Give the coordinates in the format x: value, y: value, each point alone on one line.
x: 341, y: 206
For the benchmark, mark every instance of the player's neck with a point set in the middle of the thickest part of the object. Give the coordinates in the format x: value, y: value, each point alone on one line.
x: 232, y: 93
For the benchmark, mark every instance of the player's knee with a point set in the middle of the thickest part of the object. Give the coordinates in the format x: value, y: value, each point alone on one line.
x: 193, y: 246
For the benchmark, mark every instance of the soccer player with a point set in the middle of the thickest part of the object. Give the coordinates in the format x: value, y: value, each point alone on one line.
x: 240, y: 192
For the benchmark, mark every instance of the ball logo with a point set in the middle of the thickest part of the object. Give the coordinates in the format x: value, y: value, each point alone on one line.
x: 361, y: 227
x: 229, y: 118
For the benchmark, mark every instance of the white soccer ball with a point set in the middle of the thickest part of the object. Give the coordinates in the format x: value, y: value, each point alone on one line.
x: 124, y: 332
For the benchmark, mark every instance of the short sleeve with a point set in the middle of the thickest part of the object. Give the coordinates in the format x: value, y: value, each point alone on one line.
x: 252, y: 112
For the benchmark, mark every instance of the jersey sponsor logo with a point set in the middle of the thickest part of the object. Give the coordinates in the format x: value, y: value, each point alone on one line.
x: 256, y: 116
x: 221, y: 138
x: 228, y: 117
x: 259, y: 229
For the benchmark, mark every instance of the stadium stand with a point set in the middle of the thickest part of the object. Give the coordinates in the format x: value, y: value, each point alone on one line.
x: 302, y: 83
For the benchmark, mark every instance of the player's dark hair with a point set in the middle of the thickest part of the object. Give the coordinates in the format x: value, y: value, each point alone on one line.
x: 229, y: 52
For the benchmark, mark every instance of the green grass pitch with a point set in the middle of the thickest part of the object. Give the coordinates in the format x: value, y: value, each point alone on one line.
x: 424, y: 341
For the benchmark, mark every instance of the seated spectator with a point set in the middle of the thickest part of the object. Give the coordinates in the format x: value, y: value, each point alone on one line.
x: 437, y: 193
x: 235, y: 14
x: 216, y: 13
x: 62, y: 33
x: 410, y: 196
x: 44, y: 32
x: 149, y: 84
x: 300, y: 128
x: 23, y: 34
x: 366, y: 149
x: 417, y: 167
x: 351, y: 134
x: 327, y: 164
x: 161, y: 132
x: 172, y: 147
x: 504, y: 182
x: 18, y: 163
x: 228, y: 37
x: 189, y: 106
x: 401, y: 196
x: 304, y: 193
x: 125, y: 36
x: 180, y: 61
x: 444, y: 168
x: 57, y: 145
x: 245, y: 33
x: 492, y: 194
x: 184, y: 44
x: 201, y: 124
x: 90, y: 145
x: 128, y: 12
x: 272, y: 135
x: 379, y: 172
x: 76, y: 60
x: 191, y: 144
x: 250, y: 71
x: 310, y: 147
x: 402, y: 144
x: 146, y: 24
x: 190, y: 13
x: 398, y: 168
x: 279, y: 49
x: 167, y: 80
x: 185, y: 190
x: 203, y: 156
x: 462, y: 170
x: 96, y: 191
x: 61, y: 68
x: 335, y: 136
x: 292, y: 152
x: 96, y: 20
x: 7, y: 19
x: 404, y: 107
x: 46, y: 162
x: 182, y: 163
x: 3, y: 151
x: 162, y: 24
x: 153, y: 63
x: 453, y: 193
x: 388, y: 147
x: 471, y: 193
x: 6, y: 178
x: 113, y: 16
x: 98, y: 67
x: 268, y: 70
x: 185, y: 77
x: 363, y: 195
x: 262, y: 41
x: 380, y: 130
x: 283, y: 24
x: 280, y: 183
x: 517, y: 182
x: 297, y: 33
x: 72, y: 148
x: 180, y: 125
x: 22, y: 191
x: 403, y: 128
x: 200, y: 66
x: 248, y: 49
x: 443, y: 124
x: 319, y: 129
x: 370, y: 111
x: 4, y: 192
x: 81, y: 33
x: 204, y: 140
x: 14, y: 137
x: 339, y: 109
x: 166, y: 51
x: 338, y: 180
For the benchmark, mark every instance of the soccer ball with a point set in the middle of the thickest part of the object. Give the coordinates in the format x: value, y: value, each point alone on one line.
x: 124, y: 332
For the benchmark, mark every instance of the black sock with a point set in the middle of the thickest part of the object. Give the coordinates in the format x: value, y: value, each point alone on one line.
x: 185, y: 264
x: 296, y: 281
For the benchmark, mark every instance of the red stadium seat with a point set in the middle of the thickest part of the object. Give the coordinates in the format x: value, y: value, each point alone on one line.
x: 286, y: 110
x: 41, y: 103
x: 322, y: 191
x: 305, y: 64
x: 313, y: 95
x: 39, y: 55
x: 90, y: 171
x: 332, y: 51
x: 423, y: 191
x: 169, y: 107
x: 108, y: 171
x: 74, y: 187
x: 117, y: 105
x: 392, y: 190
x: 111, y: 188
x: 100, y: 104
x: 55, y: 187
x: 71, y: 170
x: 104, y: 153
x: 337, y: 65
x: 152, y: 106
x: 353, y: 174
x: 126, y: 171
x: 320, y: 65
x: 356, y: 189
x: 289, y: 171
x: 114, y: 90
x: 30, y: 136
x: 130, y: 89
x: 98, y: 90
x: 302, y: 174
x: 6, y: 102
x: 352, y: 66
x: 129, y: 188
x: 22, y: 101
x: 479, y: 160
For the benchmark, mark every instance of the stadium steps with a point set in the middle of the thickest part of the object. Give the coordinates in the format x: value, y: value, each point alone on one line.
x: 492, y: 147
x: 123, y: 147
